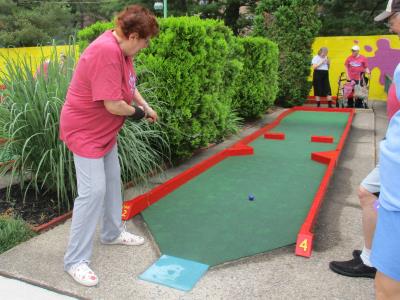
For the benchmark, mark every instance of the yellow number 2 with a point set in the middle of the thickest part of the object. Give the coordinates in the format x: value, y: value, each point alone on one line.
x: 304, y: 245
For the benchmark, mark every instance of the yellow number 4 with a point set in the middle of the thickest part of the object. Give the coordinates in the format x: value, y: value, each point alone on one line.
x: 304, y: 245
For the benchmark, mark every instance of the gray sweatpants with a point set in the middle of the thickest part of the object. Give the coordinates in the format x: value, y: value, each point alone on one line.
x: 99, y: 194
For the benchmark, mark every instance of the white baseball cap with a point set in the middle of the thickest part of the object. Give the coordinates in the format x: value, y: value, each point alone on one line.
x: 355, y: 48
x: 393, y: 6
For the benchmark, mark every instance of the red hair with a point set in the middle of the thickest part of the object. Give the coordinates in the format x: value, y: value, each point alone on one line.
x: 136, y: 18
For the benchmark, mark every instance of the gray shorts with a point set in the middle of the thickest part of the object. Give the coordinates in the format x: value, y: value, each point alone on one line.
x: 372, y: 182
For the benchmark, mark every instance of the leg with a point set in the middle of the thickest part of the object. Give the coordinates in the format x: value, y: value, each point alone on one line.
x: 87, y: 209
x: 386, y: 287
x: 369, y: 187
x: 360, y: 265
x: 112, y: 210
x: 113, y: 232
x: 329, y: 101
x: 367, y: 202
x: 350, y: 102
x: 318, y: 100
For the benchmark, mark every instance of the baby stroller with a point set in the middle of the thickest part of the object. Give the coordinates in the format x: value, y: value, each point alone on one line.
x: 352, y: 93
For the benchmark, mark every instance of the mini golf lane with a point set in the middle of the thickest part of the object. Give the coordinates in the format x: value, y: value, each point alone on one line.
x: 210, y: 219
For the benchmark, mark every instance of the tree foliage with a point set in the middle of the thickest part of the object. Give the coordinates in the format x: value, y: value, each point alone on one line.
x: 26, y: 23
x: 341, y: 17
x: 293, y: 25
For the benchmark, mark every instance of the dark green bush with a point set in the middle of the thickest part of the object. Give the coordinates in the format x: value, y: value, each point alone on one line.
x: 195, y: 62
x: 293, y: 25
x: 259, y: 77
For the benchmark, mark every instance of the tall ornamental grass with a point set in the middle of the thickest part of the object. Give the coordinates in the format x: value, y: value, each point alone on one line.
x: 30, y: 115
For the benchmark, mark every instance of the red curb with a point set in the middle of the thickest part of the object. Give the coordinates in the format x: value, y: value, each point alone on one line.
x: 305, y: 236
x: 56, y: 221
x: 274, y: 136
x: 322, y: 139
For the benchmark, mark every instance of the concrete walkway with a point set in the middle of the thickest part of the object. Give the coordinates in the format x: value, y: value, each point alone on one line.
x: 278, y: 274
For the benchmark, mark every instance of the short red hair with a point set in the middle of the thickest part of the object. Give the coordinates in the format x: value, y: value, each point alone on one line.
x: 136, y: 18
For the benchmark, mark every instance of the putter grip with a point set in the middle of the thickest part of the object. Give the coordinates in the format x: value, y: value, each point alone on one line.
x: 138, y: 114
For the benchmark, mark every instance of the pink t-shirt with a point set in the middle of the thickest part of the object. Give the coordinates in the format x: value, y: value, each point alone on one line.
x: 355, y: 66
x: 393, y: 104
x: 102, y: 73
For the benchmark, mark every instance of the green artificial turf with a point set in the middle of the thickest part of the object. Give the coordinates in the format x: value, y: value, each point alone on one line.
x: 210, y: 219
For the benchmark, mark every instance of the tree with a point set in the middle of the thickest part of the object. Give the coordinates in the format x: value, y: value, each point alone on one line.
x: 341, y: 17
x: 32, y: 23
x: 293, y: 25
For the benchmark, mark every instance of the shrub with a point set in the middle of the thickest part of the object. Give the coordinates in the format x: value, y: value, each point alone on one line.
x: 259, y: 77
x: 13, y: 232
x: 293, y: 25
x: 195, y: 61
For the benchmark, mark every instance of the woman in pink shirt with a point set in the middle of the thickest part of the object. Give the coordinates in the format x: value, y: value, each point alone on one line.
x: 355, y: 65
x: 98, y: 102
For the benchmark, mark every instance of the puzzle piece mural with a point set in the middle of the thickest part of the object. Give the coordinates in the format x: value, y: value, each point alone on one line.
x: 382, y: 52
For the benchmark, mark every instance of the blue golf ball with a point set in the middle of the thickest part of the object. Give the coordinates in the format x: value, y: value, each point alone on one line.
x: 251, y: 197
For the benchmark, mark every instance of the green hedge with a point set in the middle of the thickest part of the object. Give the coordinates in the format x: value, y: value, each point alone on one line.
x: 259, y: 78
x: 202, y: 79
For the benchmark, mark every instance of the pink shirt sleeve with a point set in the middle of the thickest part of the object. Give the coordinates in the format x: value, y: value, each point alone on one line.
x: 105, y: 73
x: 107, y: 82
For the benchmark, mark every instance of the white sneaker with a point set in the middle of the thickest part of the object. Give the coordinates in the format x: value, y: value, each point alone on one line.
x: 126, y: 238
x: 82, y: 274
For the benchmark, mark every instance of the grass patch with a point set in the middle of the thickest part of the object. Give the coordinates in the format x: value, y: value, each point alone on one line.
x: 13, y: 232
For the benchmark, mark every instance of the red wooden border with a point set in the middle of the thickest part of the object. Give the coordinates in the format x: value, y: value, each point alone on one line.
x: 52, y: 223
x: 311, y: 100
x: 305, y: 236
x: 322, y: 139
x: 274, y: 135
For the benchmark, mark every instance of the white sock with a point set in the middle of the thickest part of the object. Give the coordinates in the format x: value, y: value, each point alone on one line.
x: 365, y: 255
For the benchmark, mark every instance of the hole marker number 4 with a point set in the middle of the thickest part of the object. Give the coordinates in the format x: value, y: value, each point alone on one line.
x: 304, y: 245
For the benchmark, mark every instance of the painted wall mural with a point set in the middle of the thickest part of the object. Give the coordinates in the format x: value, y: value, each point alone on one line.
x: 382, y: 52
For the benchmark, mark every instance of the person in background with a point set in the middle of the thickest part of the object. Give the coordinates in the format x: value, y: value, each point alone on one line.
x: 355, y: 64
x: 44, y: 67
x: 98, y: 102
x: 322, y: 88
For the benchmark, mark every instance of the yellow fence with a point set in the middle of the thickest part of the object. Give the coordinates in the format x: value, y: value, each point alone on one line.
x: 34, y: 55
x: 382, y: 52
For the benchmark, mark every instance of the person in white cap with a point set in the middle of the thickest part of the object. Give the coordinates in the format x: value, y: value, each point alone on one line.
x: 355, y: 65
x: 385, y: 255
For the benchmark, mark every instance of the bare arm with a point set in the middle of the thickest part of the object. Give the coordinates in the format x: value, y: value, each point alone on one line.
x: 119, y: 107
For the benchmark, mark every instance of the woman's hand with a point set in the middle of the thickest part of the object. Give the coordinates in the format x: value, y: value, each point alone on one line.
x: 151, y: 115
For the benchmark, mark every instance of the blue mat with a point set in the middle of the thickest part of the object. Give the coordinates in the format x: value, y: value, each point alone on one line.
x: 175, y: 272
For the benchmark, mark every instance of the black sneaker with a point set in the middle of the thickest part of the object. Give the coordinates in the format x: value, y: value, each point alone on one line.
x: 356, y: 253
x: 352, y: 268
